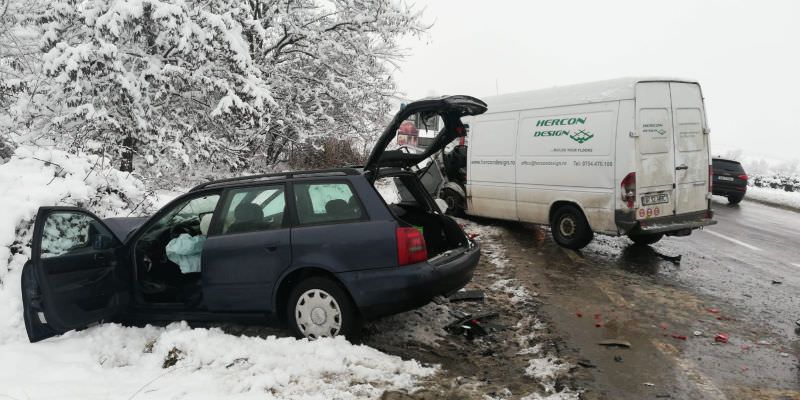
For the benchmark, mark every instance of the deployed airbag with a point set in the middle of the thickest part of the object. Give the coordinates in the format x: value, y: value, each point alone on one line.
x: 185, y: 250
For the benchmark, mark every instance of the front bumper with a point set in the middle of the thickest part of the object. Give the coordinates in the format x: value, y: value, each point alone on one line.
x: 392, y: 290
x: 669, y: 224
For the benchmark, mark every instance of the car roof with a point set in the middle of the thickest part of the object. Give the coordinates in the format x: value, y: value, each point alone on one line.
x: 277, y: 176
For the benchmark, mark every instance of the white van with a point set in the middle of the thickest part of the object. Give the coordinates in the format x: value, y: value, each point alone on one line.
x: 621, y: 157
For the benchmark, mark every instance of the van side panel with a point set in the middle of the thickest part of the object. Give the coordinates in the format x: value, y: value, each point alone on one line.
x: 567, y: 154
x: 490, y: 169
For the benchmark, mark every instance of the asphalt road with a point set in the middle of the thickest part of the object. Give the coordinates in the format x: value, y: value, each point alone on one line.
x: 739, y: 278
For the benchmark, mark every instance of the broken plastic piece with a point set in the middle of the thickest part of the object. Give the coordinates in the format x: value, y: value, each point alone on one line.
x: 721, y: 338
x: 615, y: 342
x: 467, y: 295
x: 679, y: 337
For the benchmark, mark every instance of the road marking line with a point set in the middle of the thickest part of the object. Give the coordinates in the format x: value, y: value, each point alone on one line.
x: 701, y: 381
x: 732, y: 240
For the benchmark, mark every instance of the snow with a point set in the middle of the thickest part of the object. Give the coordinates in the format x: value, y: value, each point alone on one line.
x: 116, y: 362
x: 546, y: 370
x: 36, y: 177
x: 778, y: 197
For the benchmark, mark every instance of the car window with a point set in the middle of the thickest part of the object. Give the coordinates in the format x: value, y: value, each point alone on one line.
x: 326, y: 202
x: 254, y: 209
x: 70, y: 232
x: 189, y: 211
x: 731, y: 166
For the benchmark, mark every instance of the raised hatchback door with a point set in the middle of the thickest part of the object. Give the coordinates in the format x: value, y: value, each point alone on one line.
x: 74, y: 278
x: 450, y: 108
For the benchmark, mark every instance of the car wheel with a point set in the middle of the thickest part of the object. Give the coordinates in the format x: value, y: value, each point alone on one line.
x: 646, y: 239
x: 570, y: 228
x: 319, y: 307
x: 455, y: 204
x: 735, y: 198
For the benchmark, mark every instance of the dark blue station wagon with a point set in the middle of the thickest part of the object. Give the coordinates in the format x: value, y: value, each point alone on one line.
x: 319, y: 251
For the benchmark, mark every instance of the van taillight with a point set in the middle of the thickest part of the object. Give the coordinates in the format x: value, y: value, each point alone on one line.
x: 743, y: 177
x: 628, y: 187
x: 410, y: 246
x: 710, y: 175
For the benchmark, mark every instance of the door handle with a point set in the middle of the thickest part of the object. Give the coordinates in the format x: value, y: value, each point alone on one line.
x: 99, y: 257
x: 271, y: 248
x: 680, y: 167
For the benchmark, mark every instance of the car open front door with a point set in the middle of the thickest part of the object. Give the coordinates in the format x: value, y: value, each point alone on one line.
x: 74, y: 278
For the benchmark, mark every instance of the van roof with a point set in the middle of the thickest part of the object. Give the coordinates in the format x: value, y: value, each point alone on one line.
x: 582, y: 93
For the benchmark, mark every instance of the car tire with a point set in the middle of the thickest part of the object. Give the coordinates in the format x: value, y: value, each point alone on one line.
x: 646, y: 239
x: 455, y: 203
x: 320, y: 307
x: 735, y: 198
x: 570, y: 228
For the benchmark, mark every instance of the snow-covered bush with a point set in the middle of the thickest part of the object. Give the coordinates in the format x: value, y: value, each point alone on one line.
x: 35, y: 177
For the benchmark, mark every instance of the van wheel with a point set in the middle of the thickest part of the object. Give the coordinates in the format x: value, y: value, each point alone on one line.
x: 735, y: 198
x: 319, y: 307
x: 570, y: 228
x: 646, y: 239
x: 455, y: 204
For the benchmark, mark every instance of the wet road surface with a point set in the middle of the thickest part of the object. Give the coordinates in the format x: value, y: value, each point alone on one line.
x: 740, y: 278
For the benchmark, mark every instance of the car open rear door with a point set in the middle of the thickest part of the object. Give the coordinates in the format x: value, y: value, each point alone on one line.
x: 74, y: 278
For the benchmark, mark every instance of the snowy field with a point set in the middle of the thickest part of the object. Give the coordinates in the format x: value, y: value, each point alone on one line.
x: 777, y: 197
x: 111, y: 361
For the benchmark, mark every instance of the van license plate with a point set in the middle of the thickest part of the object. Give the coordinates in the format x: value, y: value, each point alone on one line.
x: 658, y: 198
x: 726, y: 178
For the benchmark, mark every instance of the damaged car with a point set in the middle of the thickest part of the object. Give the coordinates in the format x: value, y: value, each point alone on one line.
x: 317, y: 251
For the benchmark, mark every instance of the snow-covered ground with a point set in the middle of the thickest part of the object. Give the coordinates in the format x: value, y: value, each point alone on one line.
x: 111, y: 361
x: 778, y: 197
x: 116, y: 362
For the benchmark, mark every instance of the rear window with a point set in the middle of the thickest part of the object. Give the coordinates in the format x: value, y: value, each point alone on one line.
x: 728, y: 165
x: 319, y: 203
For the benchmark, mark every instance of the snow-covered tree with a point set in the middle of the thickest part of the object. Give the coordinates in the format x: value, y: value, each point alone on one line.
x: 230, y: 82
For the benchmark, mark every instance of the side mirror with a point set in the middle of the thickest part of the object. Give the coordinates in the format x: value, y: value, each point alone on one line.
x: 441, y: 204
x: 102, y: 242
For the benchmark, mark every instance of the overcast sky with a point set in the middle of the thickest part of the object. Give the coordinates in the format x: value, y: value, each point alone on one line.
x: 745, y: 54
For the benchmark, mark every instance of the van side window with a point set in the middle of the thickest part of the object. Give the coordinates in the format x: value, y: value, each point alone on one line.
x: 254, y: 209
x: 326, y: 202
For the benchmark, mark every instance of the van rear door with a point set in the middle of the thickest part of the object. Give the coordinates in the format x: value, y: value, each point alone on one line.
x: 691, y: 148
x: 655, y: 161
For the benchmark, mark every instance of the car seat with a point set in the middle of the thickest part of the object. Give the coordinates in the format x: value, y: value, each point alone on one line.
x: 338, y: 209
x: 247, y: 217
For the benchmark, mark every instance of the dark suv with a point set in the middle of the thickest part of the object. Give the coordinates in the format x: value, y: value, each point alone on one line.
x: 318, y: 250
x: 730, y: 180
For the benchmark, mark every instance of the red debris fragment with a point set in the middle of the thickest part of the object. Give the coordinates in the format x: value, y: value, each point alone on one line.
x: 663, y: 326
x: 473, y: 235
x: 713, y: 310
x: 597, y: 316
x: 578, y: 314
x: 721, y: 338
x: 679, y: 337
x: 598, y: 325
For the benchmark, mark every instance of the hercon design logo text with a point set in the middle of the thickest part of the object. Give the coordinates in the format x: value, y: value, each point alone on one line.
x: 579, y: 135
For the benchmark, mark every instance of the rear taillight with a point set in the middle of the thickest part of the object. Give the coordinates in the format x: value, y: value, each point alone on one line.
x: 743, y: 177
x: 628, y: 187
x: 410, y: 246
